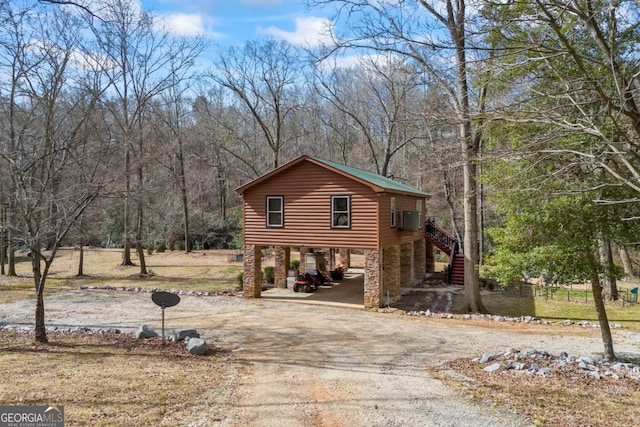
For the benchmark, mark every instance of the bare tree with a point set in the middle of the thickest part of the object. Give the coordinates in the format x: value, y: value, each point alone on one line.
x: 142, y: 61
x: 376, y: 98
x: 54, y: 166
x: 264, y: 77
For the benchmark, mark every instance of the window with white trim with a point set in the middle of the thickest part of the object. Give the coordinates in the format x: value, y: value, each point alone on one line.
x: 340, y: 211
x: 419, y: 209
x: 275, y: 211
x: 393, y: 212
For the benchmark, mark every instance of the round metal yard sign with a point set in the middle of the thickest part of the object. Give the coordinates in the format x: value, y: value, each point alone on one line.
x: 164, y: 300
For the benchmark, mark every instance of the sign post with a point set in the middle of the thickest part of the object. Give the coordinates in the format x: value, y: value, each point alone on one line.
x: 164, y: 300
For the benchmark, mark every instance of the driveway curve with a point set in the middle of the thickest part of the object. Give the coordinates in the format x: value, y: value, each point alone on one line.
x: 308, y: 365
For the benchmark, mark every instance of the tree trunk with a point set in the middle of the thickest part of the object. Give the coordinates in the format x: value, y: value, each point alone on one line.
x: 184, y: 198
x: 81, y: 261
x: 40, y: 329
x: 626, y: 261
x: 610, y: 288
x: 602, y: 316
x: 81, y: 239
x: 3, y: 240
x: 126, y: 256
x: 11, y: 250
x: 469, y: 154
x: 471, y: 273
x: 140, y: 223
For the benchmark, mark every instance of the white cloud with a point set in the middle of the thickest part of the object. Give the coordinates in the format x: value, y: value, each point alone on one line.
x: 183, y: 24
x: 310, y: 31
x: 187, y: 25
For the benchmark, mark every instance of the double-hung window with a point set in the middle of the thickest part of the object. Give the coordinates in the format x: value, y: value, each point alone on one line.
x: 275, y: 211
x: 340, y: 211
x: 419, y: 209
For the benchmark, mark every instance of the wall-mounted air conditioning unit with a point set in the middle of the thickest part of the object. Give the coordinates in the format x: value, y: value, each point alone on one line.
x: 410, y: 221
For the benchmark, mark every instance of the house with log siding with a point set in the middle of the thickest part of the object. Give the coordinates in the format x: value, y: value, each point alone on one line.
x: 311, y: 203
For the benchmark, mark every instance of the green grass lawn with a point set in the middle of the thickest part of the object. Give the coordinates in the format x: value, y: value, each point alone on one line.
x: 557, y: 305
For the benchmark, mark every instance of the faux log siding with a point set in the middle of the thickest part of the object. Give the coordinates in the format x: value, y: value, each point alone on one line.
x: 393, y: 236
x: 307, y: 210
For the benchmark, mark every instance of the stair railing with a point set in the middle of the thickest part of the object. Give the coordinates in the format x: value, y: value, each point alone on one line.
x: 439, y: 235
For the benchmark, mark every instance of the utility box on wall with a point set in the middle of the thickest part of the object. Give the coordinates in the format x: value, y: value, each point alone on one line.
x: 410, y: 221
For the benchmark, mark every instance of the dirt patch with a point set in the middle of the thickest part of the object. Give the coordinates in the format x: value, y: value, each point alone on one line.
x: 559, y: 398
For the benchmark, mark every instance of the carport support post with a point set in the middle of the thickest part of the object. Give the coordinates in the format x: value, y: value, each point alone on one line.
x: 345, y: 257
x: 391, y: 262
x: 419, y: 264
x: 406, y: 264
x: 303, y: 260
x: 283, y: 258
x: 372, y: 278
x: 430, y: 259
x: 252, y: 272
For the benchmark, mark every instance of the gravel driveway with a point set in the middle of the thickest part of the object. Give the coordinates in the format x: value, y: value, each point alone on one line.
x: 306, y: 365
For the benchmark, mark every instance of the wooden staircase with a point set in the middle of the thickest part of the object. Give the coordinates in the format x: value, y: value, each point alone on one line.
x: 449, y: 245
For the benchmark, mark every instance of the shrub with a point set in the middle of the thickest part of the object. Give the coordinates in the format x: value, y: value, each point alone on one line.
x: 269, y: 274
x: 161, y: 247
x: 240, y: 280
x: 149, y: 249
x: 294, y: 264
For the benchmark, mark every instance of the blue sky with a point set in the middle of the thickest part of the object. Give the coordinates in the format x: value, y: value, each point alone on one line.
x: 236, y: 21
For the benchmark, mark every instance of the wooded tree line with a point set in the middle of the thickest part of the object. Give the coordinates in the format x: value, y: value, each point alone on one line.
x: 521, y: 118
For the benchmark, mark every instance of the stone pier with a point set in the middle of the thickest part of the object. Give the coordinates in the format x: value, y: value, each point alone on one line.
x: 252, y: 273
x: 345, y: 257
x: 419, y: 262
x: 406, y: 264
x: 429, y: 258
x: 372, y: 278
x: 391, y: 262
x: 283, y: 258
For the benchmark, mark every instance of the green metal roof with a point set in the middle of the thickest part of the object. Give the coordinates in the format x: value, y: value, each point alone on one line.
x: 372, y: 178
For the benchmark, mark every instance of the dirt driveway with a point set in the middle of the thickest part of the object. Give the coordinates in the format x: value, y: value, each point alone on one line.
x: 306, y: 365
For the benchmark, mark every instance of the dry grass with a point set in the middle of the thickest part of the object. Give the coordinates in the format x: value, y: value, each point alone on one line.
x: 200, y: 270
x: 558, y: 399
x: 110, y: 379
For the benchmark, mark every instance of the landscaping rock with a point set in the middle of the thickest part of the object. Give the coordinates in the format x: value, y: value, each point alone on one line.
x: 145, y: 332
x: 493, y: 367
x: 196, y: 346
x: 486, y: 357
x: 182, y: 334
x: 543, y: 363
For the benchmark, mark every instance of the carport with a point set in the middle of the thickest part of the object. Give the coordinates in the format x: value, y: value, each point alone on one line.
x: 348, y: 292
